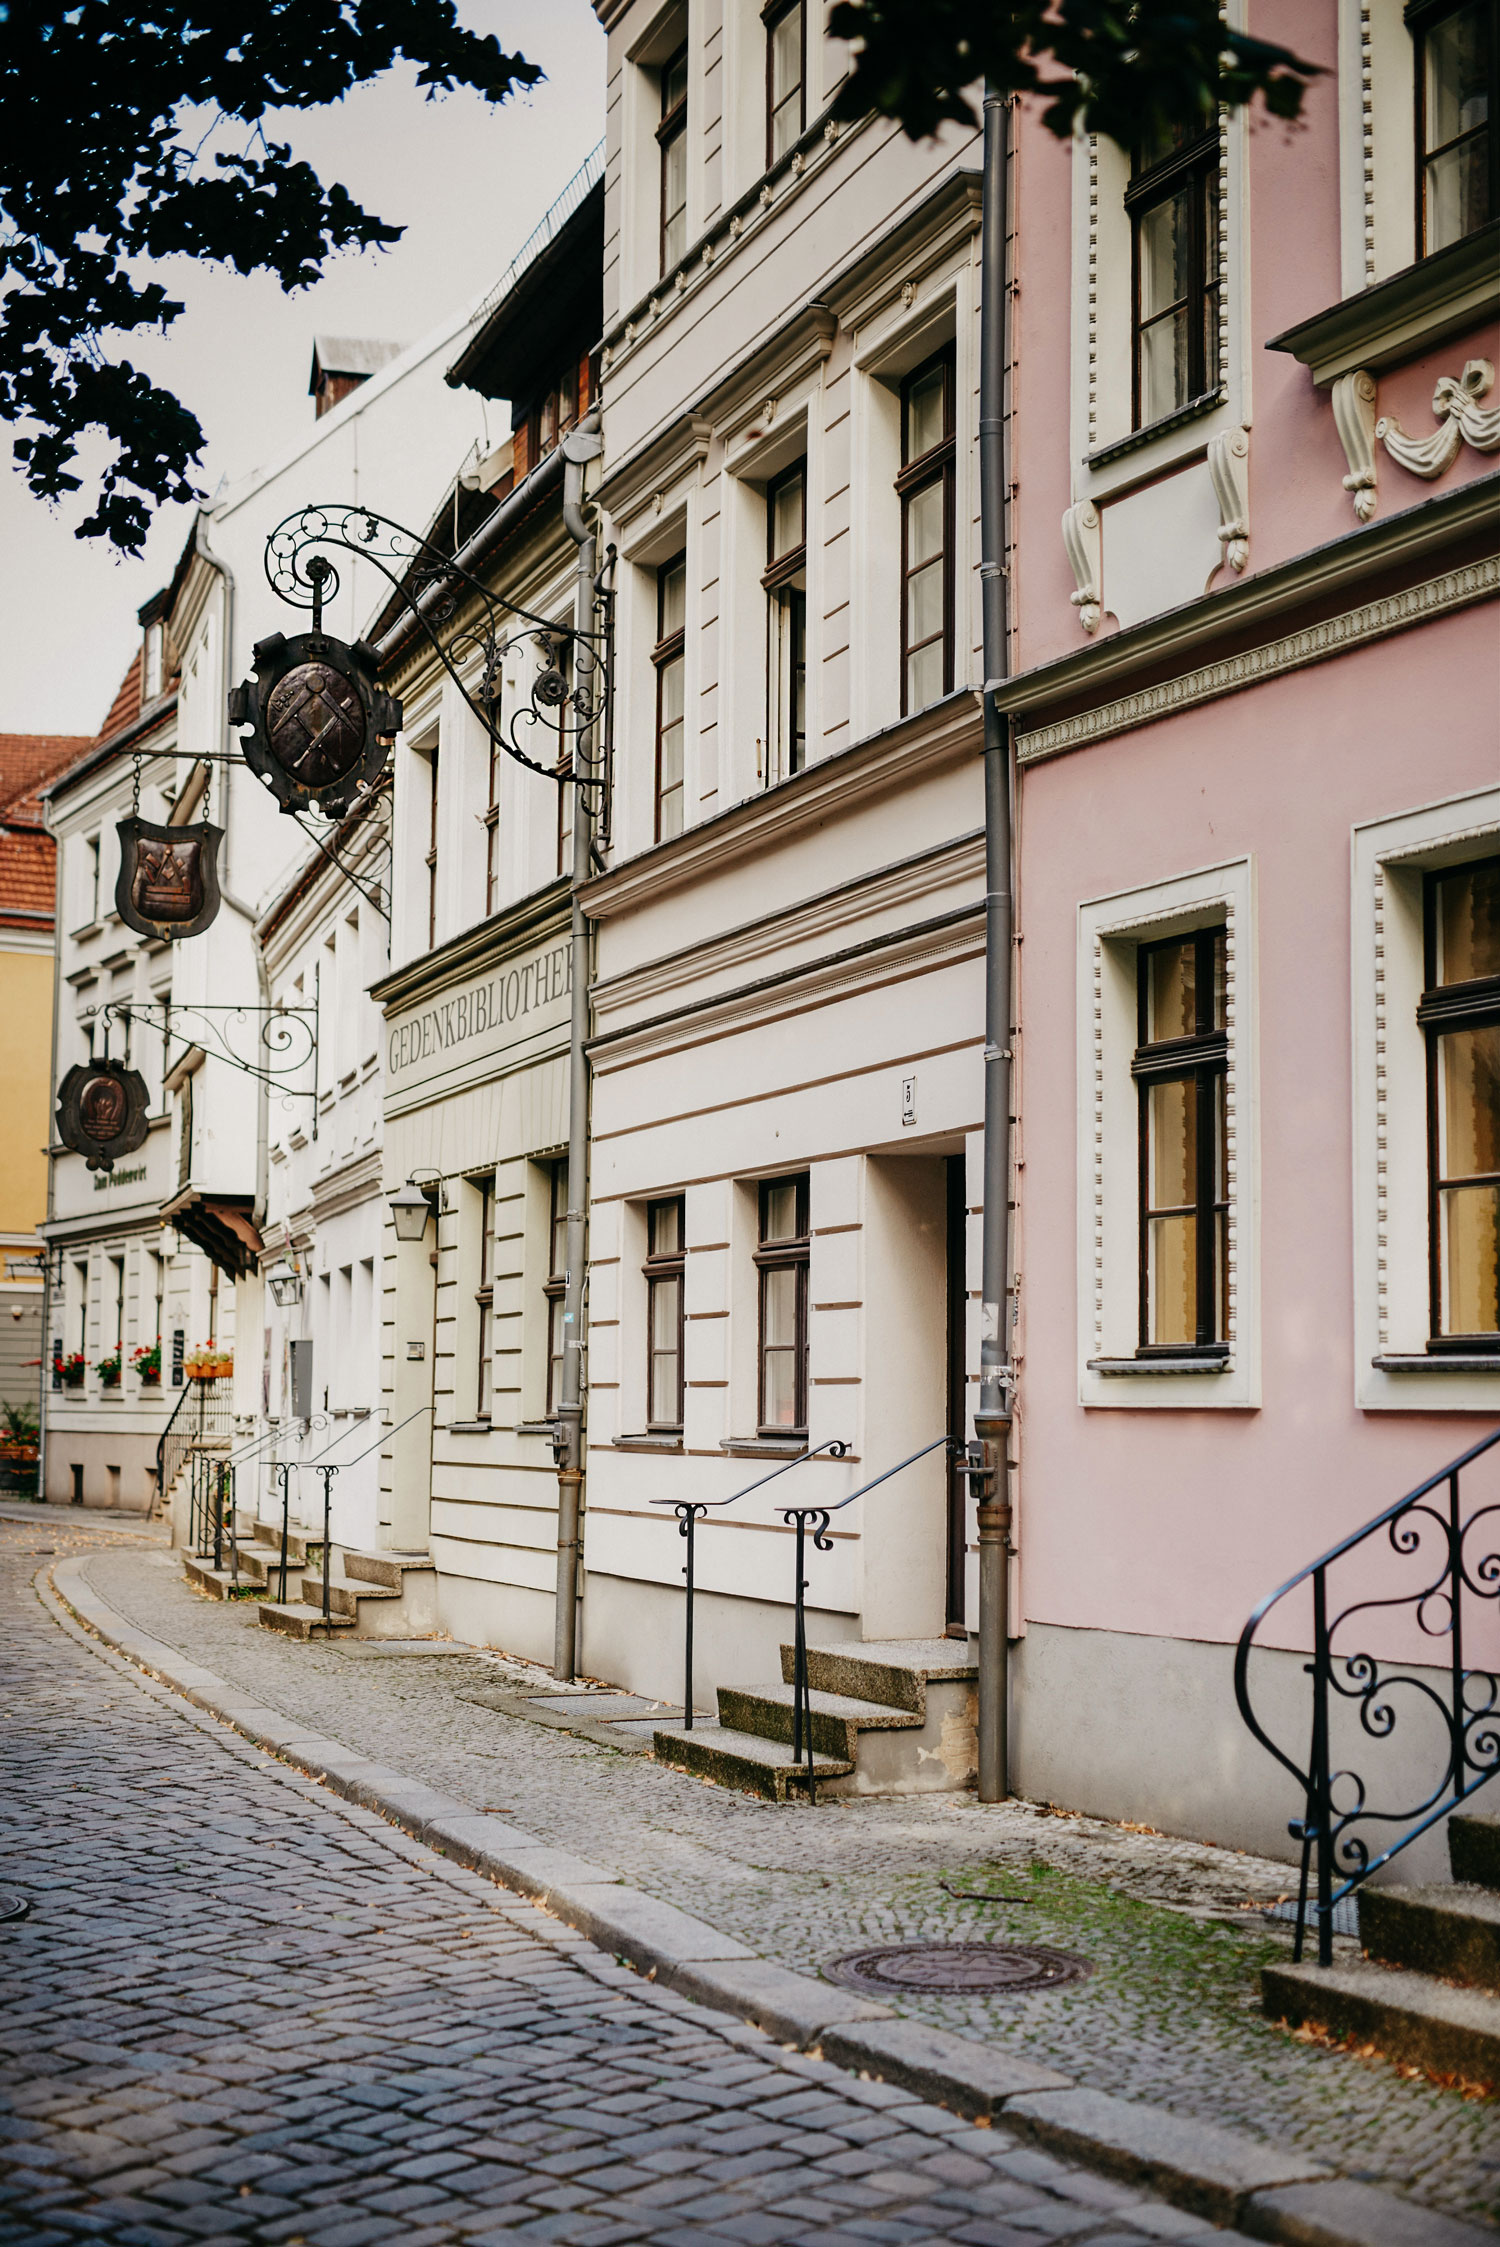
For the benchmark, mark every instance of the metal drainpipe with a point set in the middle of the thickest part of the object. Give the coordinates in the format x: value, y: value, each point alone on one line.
x: 992, y: 1421
x: 580, y: 446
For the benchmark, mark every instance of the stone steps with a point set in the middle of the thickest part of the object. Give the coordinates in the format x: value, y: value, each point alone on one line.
x: 1453, y: 1933
x: 889, y: 1716
x: 298, y: 1620
x: 742, y: 1759
x: 1428, y: 1988
x: 376, y: 1595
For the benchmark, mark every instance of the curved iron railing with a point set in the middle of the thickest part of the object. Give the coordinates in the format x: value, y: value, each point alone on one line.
x: 688, y: 1512
x: 1456, y: 1573
x: 205, y: 1412
x: 818, y: 1519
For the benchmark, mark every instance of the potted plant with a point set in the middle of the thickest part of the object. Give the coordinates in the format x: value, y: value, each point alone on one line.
x: 145, y: 1360
x: 108, y: 1370
x: 18, y: 1448
x: 72, y: 1370
x: 207, y: 1362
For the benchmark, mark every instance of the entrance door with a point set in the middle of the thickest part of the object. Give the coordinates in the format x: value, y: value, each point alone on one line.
x: 957, y: 1399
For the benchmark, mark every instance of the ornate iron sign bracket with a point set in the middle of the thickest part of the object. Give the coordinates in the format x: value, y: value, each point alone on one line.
x: 289, y: 1034
x: 570, y: 686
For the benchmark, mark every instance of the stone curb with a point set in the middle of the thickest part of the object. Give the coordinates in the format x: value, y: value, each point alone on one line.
x: 1223, y: 2175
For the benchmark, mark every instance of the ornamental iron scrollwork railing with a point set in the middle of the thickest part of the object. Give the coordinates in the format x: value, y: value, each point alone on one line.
x: 1451, y: 1578
x: 559, y: 703
x: 816, y: 1521
x: 203, y: 1415
x: 689, y: 1512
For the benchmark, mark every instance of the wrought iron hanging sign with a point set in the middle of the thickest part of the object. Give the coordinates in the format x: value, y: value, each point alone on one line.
x: 168, y: 884
x: 101, y: 1111
x: 320, y: 725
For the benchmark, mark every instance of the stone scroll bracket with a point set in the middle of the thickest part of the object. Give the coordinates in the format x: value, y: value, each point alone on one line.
x: 1229, y: 471
x: 1083, y: 540
x: 1460, y: 418
x: 1353, y: 399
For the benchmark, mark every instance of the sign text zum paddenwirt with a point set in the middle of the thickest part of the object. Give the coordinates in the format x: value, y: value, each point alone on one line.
x: 507, y: 996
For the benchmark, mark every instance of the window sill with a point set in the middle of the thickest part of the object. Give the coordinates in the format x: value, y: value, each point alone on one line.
x: 1161, y: 1365
x: 1437, y: 1361
x: 468, y: 1427
x: 547, y: 1428
x: 648, y: 1443
x: 764, y: 1447
x: 1420, y: 306
x: 1196, y: 409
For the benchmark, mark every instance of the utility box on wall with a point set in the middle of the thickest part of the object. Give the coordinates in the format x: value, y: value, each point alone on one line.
x: 302, y: 1378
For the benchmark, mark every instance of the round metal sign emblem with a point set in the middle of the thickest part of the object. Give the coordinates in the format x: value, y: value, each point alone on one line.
x: 315, y: 724
x: 973, y: 1969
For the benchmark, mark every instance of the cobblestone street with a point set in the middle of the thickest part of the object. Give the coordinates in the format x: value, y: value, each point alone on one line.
x: 240, y: 2009
x: 1170, y: 2015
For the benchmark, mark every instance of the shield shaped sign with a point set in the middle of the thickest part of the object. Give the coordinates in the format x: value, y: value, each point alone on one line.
x: 320, y: 724
x: 101, y: 1111
x: 168, y: 884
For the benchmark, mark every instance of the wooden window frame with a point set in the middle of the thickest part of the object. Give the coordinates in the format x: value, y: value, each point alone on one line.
x: 794, y: 1254
x: 555, y: 1286
x: 1201, y: 1058
x: 671, y: 128
x: 1444, y: 1008
x: 432, y: 848
x: 772, y: 15
x: 938, y: 463
x: 1155, y: 184
x: 670, y: 648
x: 776, y: 580
x: 484, y: 1299
x: 1422, y: 17
x: 665, y: 1269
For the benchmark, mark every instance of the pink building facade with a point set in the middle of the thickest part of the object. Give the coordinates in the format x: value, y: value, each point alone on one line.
x: 1258, y: 725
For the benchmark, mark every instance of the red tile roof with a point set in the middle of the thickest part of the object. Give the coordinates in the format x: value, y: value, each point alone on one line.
x: 127, y: 702
x: 27, y: 762
x: 27, y: 881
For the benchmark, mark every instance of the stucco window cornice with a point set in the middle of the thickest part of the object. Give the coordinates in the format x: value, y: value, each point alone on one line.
x: 1440, y: 296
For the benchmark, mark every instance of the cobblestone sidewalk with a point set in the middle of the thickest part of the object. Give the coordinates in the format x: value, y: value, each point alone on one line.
x: 1169, y: 2016
x: 241, y: 2010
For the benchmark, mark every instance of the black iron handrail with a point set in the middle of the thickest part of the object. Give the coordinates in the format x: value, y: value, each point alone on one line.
x: 820, y: 1516
x: 1472, y: 1725
x: 688, y: 1510
x: 213, y: 1401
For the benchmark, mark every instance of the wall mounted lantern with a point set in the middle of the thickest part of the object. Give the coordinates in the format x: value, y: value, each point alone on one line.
x: 410, y: 1210
x: 285, y: 1282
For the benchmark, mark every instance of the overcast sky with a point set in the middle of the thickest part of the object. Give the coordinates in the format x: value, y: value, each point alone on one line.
x: 467, y: 182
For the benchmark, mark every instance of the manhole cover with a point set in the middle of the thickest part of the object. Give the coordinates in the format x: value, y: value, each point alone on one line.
x: 981, y: 1969
x: 13, y: 1906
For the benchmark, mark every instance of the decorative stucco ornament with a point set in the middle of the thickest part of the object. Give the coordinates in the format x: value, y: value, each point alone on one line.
x: 1461, y: 421
x: 320, y: 726
x: 101, y: 1111
x: 1353, y: 401
x: 1084, y: 544
x: 1229, y: 473
x: 168, y: 883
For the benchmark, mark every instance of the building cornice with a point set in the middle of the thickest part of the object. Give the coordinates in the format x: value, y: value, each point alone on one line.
x: 1315, y: 643
x: 950, y: 730
x: 1424, y: 304
x: 343, y: 1189
x: 1318, y: 579
x: 477, y: 947
x: 947, y: 214
x: 656, y: 467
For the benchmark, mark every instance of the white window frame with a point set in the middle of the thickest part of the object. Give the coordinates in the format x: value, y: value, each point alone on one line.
x: 1110, y: 932
x: 1377, y: 143
x: 1391, y: 1306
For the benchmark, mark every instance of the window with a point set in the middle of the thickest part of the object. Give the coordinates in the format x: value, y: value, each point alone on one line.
x: 567, y: 794
x: 91, y: 880
x: 1173, y: 203
x: 1179, y: 1070
x: 1459, y: 1014
x: 782, y: 1262
x: 117, y: 1267
x: 491, y: 815
x: 786, y: 77
x: 81, y: 1293
x: 557, y: 1281
x: 664, y: 1315
x: 432, y: 851
x: 1456, y: 68
x: 671, y: 133
x: 667, y: 655
x: 152, y: 664
x: 484, y: 1298
x: 785, y: 581
x: 926, y: 488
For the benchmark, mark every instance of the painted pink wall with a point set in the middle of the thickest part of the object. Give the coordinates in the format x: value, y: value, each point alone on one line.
x: 1177, y: 1522
x: 1297, y: 466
